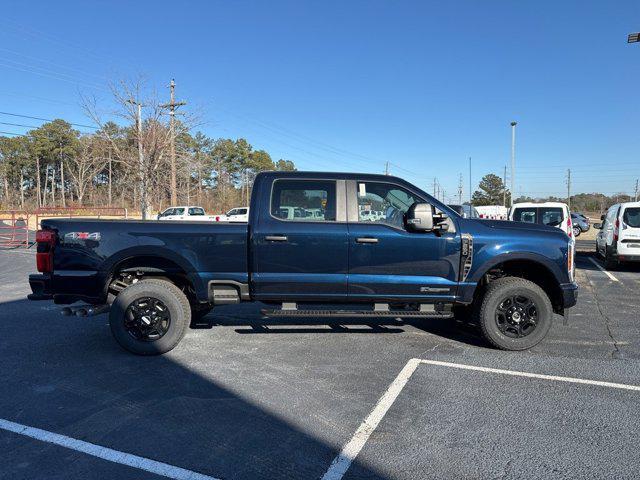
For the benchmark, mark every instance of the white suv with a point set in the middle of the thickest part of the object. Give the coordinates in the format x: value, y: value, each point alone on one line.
x: 619, y: 237
x: 553, y: 214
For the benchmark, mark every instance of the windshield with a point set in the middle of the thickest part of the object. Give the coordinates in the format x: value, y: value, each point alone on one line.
x: 631, y: 217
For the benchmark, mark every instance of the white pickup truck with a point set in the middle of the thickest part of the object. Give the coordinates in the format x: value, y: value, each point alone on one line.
x: 184, y: 212
x: 240, y: 214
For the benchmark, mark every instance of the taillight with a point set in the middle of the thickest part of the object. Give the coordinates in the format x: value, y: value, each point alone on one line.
x: 46, y: 239
x: 570, y: 261
x: 616, y: 230
x: 569, y: 227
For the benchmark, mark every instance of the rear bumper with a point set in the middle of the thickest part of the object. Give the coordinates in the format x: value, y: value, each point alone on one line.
x: 569, y: 294
x: 42, y: 289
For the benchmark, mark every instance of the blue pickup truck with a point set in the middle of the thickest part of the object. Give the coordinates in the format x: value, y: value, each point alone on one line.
x: 316, y: 244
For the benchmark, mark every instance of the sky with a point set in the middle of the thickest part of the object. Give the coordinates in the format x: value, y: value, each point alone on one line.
x: 351, y: 85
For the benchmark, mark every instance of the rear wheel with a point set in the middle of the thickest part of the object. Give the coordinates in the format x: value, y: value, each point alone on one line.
x: 150, y: 317
x: 577, y: 231
x: 515, y: 314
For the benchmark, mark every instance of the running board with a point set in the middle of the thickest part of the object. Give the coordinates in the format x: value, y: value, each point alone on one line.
x: 355, y: 313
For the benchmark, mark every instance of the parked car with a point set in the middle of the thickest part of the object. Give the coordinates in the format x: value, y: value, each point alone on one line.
x: 586, y: 219
x: 421, y: 259
x: 240, y: 214
x: 618, y: 240
x: 552, y: 214
x: 184, y: 213
x: 466, y: 211
x: 580, y: 223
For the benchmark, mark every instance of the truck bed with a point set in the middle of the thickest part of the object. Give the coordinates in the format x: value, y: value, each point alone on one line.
x: 90, y: 250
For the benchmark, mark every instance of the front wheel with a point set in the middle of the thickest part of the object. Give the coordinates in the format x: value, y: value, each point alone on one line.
x: 577, y: 231
x: 150, y: 317
x: 515, y: 314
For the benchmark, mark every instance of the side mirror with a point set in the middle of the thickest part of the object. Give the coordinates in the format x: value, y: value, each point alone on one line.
x: 602, y: 217
x: 597, y: 226
x: 420, y: 217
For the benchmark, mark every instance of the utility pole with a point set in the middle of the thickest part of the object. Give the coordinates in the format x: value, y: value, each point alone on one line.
x: 386, y: 168
x: 144, y: 207
x: 513, y: 160
x: 504, y: 187
x: 172, y: 105
x: 460, y: 190
x: 435, y: 182
x: 569, y: 188
x: 635, y: 196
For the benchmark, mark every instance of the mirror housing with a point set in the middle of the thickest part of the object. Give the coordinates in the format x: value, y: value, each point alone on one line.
x: 420, y: 217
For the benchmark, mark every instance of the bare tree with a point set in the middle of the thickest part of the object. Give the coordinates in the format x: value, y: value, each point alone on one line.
x: 85, y: 166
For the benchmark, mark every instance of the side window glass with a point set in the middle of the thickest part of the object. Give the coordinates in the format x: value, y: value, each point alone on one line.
x: 527, y: 215
x: 552, y: 217
x: 304, y: 200
x: 383, y: 203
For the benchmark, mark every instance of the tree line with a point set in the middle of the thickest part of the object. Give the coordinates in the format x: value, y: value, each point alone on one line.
x: 56, y: 165
x: 493, y: 191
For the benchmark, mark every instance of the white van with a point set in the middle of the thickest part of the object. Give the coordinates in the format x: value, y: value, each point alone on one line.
x: 553, y: 214
x: 619, y: 237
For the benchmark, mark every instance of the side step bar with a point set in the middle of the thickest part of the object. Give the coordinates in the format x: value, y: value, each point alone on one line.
x: 426, y: 311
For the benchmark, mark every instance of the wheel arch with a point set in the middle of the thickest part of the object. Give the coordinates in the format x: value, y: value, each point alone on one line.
x: 159, y: 263
x: 530, y: 267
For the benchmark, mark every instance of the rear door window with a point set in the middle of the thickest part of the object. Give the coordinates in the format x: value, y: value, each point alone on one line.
x: 290, y: 200
x: 631, y: 217
x: 196, y: 211
x: 527, y: 215
x: 551, y: 216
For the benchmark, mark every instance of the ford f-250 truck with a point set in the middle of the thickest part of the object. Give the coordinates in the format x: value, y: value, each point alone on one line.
x: 418, y: 259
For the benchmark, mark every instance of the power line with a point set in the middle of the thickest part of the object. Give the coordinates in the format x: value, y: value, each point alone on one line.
x: 46, y: 119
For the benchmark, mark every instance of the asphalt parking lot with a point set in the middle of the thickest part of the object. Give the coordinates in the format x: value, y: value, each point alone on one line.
x: 252, y: 398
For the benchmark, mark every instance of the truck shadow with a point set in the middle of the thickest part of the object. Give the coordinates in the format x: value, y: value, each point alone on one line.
x: 250, y: 321
x: 67, y: 375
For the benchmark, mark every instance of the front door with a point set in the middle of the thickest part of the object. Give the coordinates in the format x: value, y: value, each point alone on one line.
x: 300, y: 244
x: 386, y: 261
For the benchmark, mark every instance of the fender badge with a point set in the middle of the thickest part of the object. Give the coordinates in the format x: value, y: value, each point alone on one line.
x: 82, y: 236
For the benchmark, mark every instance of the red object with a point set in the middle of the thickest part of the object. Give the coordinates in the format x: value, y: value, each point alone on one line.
x: 616, y: 230
x: 569, y: 227
x: 45, y: 239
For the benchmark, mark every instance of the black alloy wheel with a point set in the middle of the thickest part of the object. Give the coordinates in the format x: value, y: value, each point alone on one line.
x: 516, y: 316
x: 147, y: 319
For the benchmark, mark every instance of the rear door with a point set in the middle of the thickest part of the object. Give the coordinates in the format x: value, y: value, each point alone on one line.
x: 297, y: 257
x: 629, y: 231
x: 387, y: 262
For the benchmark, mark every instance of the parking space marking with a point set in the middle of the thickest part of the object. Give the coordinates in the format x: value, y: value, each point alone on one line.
x: 104, y: 453
x: 609, y: 274
x: 350, y: 451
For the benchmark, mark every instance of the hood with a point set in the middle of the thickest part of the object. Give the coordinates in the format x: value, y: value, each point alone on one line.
x: 522, y: 226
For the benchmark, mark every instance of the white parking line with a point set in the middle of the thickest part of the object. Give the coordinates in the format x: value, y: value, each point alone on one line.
x: 105, y: 453
x: 350, y: 451
x: 609, y: 274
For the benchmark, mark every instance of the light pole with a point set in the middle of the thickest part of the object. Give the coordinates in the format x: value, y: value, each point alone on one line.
x: 513, y: 159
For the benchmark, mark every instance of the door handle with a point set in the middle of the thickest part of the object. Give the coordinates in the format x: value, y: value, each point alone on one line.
x: 366, y: 240
x: 276, y: 238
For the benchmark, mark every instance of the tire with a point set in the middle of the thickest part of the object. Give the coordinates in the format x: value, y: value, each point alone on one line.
x: 503, y: 334
x: 609, y: 262
x: 577, y: 231
x: 177, y: 316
